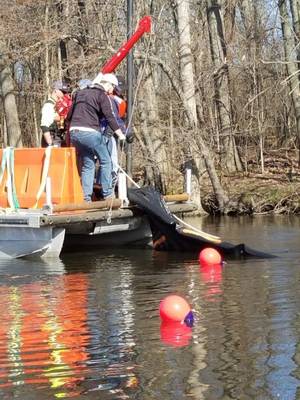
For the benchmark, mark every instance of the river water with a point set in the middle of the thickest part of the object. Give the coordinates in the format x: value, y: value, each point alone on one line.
x: 87, y: 326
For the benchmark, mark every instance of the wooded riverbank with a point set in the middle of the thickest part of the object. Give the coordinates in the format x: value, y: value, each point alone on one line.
x: 274, y: 191
x: 216, y: 84
x: 258, y: 194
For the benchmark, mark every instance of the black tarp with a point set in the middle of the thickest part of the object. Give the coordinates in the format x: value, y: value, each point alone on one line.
x: 169, y: 235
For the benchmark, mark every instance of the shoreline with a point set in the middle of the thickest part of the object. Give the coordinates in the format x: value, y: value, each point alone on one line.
x: 256, y: 194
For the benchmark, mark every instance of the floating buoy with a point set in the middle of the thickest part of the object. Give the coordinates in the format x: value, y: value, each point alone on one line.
x: 175, y: 334
x: 174, y: 308
x: 209, y: 256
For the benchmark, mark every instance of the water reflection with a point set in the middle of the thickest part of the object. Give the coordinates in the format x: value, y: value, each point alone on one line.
x: 89, y: 327
x: 211, y: 276
x: 44, y: 334
x: 54, y: 336
x: 112, y: 345
x: 175, y: 334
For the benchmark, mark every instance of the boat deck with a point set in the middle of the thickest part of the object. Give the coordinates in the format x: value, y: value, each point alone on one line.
x: 46, y: 232
x: 65, y: 218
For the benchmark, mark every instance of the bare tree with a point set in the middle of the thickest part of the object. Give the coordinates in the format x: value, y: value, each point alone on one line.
x: 187, y: 74
x: 221, y: 79
x: 151, y: 134
x: 14, y: 137
x: 292, y: 68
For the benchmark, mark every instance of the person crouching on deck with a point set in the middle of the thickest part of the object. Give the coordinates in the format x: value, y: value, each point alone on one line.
x: 52, y: 135
x: 89, y: 106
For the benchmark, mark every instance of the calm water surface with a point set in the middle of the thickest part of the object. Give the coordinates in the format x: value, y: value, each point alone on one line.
x: 87, y: 326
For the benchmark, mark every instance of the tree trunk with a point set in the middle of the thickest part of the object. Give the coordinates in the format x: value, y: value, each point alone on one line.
x: 188, y: 85
x: 84, y: 28
x: 188, y: 89
x: 153, y: 137
x: 253, y: 28
x: 186, y: 60
x: 221, y: 78
x: 46, y: 37
x: 292, y: 69
x: 14, y: 137
x: 295, y: 10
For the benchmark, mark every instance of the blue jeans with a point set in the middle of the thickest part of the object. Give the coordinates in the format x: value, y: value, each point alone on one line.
x: 90, y: 144
x: 111, y: 145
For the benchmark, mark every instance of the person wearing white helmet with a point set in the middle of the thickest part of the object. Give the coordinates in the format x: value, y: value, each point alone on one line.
x: 108, y: 81
x: 90, y: 105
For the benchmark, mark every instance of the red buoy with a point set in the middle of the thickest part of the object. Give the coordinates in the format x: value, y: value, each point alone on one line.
x: 174, y: 308
x: 210, y: 256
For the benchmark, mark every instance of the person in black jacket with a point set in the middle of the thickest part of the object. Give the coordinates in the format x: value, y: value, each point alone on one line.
x: 90, y: 105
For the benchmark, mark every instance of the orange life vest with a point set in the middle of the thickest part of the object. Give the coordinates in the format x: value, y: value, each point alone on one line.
x: 122, y: 105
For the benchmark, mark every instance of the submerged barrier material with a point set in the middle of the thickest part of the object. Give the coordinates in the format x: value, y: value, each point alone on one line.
x: 27, y: 176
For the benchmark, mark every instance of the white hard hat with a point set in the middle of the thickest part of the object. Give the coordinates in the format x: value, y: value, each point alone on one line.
x: 111, y: 78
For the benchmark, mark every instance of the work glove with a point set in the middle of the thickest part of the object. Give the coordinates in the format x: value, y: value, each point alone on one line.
x: 129, y: 138
x: 121, y: 137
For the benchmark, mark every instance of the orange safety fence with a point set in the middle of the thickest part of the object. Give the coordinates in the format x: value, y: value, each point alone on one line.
x: 28, y: 170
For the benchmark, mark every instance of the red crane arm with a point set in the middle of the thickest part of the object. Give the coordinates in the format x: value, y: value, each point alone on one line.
x: 114, y: 61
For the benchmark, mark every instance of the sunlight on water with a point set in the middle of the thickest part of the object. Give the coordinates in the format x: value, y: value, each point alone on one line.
x: 44, y: 332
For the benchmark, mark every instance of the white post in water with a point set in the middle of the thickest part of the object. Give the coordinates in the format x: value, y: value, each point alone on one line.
x: 48, y: 192
x: 188, y: 181
x: 122, y: 188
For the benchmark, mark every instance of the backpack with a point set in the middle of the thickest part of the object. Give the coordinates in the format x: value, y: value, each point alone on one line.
x: 62, y: 108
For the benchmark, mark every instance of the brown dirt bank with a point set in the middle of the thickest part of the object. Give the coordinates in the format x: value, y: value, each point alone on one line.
x: 254, y: 193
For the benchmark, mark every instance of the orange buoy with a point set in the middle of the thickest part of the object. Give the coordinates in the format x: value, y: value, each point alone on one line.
x: 174, y: 308
x: 209, y: 256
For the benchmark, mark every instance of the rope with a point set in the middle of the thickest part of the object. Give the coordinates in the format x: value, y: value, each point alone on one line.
x: 13, y: 186
x: 46, y: 166
x: 129, y: 177
x: 3, y: 163
x: 8, y: 163
x: 2, y: 169
x: 8, y: 180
